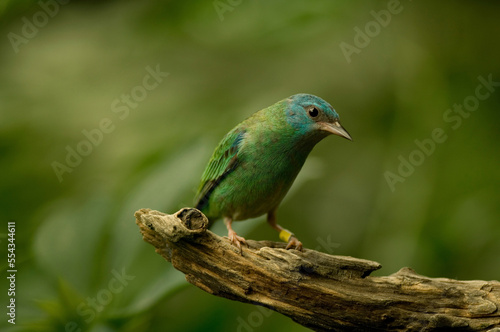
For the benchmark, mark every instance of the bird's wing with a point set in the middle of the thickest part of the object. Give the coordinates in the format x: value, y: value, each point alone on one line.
x: 223, y: 161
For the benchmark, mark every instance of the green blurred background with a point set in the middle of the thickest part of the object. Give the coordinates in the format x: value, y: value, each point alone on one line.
x: 226, y: 60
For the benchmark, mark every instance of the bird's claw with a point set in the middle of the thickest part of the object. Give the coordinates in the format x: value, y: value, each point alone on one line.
x: 293, y: 242
x: 237, y: 240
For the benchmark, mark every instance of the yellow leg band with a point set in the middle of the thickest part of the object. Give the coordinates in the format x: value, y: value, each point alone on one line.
x: 285, y: 235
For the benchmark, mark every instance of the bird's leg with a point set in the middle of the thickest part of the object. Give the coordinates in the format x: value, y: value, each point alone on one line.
x: 285, y: 234
x: 231, y: 234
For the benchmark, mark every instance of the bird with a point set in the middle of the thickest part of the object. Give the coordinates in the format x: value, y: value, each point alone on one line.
x: 255, y: 164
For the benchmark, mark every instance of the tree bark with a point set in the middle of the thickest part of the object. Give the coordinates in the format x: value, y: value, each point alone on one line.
x: 319, y: 291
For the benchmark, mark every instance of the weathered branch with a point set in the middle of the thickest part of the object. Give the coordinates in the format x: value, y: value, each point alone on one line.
x: 319, y: 291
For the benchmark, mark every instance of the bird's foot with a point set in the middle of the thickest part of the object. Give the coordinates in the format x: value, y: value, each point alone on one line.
x: 293, y: 242
x: 291, y: 239
x: 236, y: 240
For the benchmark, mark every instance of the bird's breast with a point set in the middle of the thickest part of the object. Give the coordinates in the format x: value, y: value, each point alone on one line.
x: 265, y: 173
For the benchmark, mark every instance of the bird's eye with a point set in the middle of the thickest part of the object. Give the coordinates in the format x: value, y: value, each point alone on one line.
x: 313, y: 112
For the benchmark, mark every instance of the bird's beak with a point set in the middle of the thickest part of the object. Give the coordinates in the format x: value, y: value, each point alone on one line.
x: 334, y: 128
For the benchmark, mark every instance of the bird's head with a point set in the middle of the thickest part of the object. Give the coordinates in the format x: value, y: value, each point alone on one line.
x: 311, y: 115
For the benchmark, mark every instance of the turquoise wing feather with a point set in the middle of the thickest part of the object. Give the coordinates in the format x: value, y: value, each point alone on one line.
x: 223, y: 161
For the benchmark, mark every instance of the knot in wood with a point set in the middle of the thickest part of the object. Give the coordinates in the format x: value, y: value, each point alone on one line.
x: 192, y: 218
